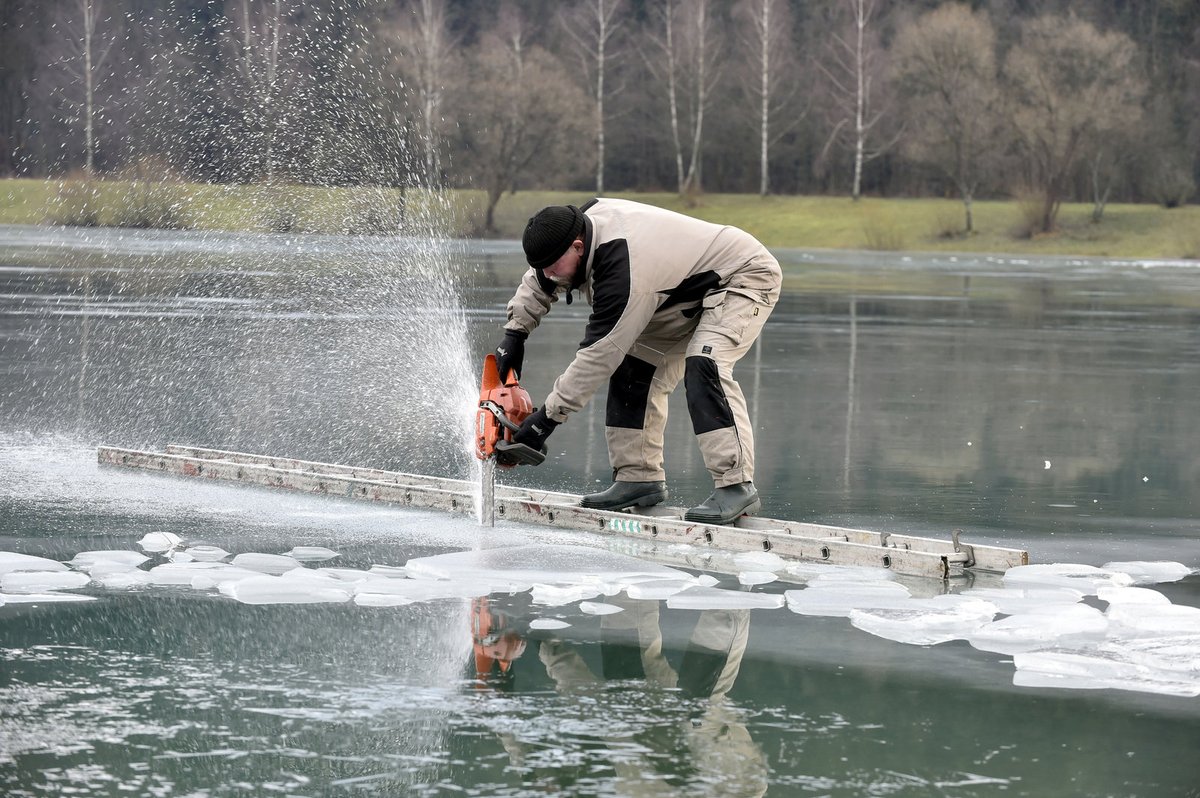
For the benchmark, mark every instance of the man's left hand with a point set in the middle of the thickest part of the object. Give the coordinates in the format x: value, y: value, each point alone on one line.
x: 535, y: 430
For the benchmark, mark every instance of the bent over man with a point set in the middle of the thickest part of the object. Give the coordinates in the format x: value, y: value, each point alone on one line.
x: 672, y: 298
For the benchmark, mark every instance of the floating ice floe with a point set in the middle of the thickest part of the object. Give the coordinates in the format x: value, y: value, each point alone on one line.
x: 160, y: 541
x: 599, y: 608
x: 658, y: 589
x: 107, y: 560
x: 837, y: 598
x: 560, y: 566
x: 180, y: 573
x: 548, y: 623
x: 1131, y: 595
x: 1153, y: 620
x: 266, y: 589
x: 312, y: 553
x: 392, y: 571
x: 1102, y: 667
x: 926, y: 621
x: 381, y: 600
x: 206, y: 553
x: 420, y: 589
x: 759, y: 561
x: 1055, y: 625
x: 209, y: 578
x: 346, y: 574
x: 1150, y: 573
x: 1015, y: 600
x: 41, y: 598
x: 751, y: 578
x: 125, y: 579
x: 714, y: 598
x: 179, y: 556
x: 1085, y: 578
x: 12, y: 561
x: 273, y: 564
x: 813, y: 571
x: 556, y: 596
x: 42, y: 581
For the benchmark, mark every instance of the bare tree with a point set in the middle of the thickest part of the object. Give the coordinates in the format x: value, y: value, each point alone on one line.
x: 687, y: 59
x: 945, y: 71
x: 518, y: 112
x: 1069, y: 84
x: 89, y: 38
x: 768, y: 46
x: 259, y: 54
x: 592, y: 25
x: 853, y: 64
x: 427, y: 61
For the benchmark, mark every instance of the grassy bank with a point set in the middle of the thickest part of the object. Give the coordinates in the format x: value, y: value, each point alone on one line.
x: 1127, y: 231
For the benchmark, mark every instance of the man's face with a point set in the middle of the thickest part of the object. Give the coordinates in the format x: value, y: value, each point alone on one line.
x: 562, y: 271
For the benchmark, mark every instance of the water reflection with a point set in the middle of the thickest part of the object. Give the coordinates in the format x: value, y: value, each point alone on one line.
x: 709, y: 749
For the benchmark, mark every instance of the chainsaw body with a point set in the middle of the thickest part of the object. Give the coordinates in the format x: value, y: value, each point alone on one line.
x: 503, y: 405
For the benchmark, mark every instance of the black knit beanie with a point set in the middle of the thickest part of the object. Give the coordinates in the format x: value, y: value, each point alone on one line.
x: 549, y: 233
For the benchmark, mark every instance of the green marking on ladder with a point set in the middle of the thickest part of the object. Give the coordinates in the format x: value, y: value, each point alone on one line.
x: 625, y: 525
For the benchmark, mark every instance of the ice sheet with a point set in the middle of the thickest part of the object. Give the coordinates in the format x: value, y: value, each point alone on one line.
x: 127, y: 579
x: 928, y: 621
x: 715, y: 598
x: 1133, y: 620
x: 12, y: 561
x: 42, y: 581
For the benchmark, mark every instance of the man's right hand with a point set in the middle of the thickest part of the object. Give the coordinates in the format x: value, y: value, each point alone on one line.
x: 510, y: 353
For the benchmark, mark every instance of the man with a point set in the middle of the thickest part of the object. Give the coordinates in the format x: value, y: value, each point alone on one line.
x: 672, y: 298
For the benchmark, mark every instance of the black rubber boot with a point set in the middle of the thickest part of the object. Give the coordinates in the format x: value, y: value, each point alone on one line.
x: 627, y: 494
x: 725, y: 505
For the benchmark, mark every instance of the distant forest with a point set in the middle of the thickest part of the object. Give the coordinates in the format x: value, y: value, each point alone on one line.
x: 1085, y: 100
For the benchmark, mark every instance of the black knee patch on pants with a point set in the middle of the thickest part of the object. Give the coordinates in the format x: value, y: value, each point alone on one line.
x: 706, y: 400
x: 628, y: 393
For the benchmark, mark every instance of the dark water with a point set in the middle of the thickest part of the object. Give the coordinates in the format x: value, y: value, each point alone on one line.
x: 1049, y: 405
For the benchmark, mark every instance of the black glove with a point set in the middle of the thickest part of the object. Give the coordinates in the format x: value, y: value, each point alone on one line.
x: 535, y: 430
x: 510, y: 354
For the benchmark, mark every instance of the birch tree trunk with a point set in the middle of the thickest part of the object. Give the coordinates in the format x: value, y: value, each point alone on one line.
x: 764, y: 31
x: 592, y: 28
x: 862, y: 14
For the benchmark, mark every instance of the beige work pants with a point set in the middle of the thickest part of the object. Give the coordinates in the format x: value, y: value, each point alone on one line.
x: 701, y: 350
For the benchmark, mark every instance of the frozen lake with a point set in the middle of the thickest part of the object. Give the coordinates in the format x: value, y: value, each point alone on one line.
x: 1053, y: 406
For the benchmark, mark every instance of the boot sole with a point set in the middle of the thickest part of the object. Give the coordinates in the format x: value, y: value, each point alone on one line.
x: 720, y: 520
x: 649, y: 500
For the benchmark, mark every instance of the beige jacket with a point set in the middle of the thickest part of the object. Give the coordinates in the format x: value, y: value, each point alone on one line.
x: 641, y: 264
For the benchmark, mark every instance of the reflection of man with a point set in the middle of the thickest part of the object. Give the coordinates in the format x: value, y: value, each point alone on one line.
x: 672, y: 298
x: 722, y: 753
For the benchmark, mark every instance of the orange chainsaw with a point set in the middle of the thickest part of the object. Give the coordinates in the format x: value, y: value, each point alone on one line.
x: 503, y: 405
